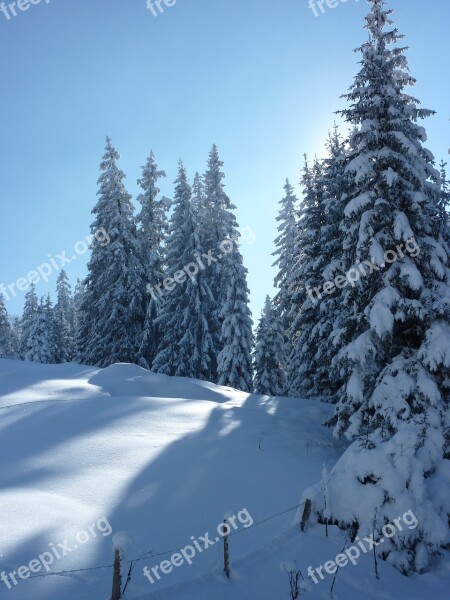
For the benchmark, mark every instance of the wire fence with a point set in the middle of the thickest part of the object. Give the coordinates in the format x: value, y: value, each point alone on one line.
x: 150, y: 554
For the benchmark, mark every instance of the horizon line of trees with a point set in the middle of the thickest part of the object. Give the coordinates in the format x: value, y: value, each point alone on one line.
x: 50, y: 334
x: 201, y: 327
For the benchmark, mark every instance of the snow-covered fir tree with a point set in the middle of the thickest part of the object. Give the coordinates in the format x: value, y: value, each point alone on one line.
x: 75, y: 314
x: 309, y: 249
x: 29, y: 312
x: 62, y: 320
x: 445, y: 201
x: 217, y: 218
x: 16, y: 335
x: 113, y: 304
x: 198, y: 200
x: 228, y: 279
x: 186, y: 348
x: 217, y: 223
x: 151, y: 234
x: 40, y: 348
x: 325, y: 337
x: 53, y: 328
x: 285, y: 253
x: 268, y: 355
x: 235, y: 367
x: 394, y: 402
x: 303, y: 282
x: 6, y: 333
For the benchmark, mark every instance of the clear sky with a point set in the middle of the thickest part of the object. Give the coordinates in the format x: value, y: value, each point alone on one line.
x: 260, y: 78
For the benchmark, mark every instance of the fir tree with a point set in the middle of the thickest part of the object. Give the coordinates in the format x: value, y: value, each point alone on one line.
x: 186, y: 347
x: 285, y: 253
x: 75, y: 317
x: 235, y: 367
x: 6, y: 333
x: 50, y: 316
x: 39, y: 342
x: 30, y: 310
x: 304, y: 282
x: 16, y: 336
x: 152, y: 233
x: 396, y: 318
x: 62, y: 317
x: 217, y: 224
x: 198, y: 199
x: 326, y: 380
x: 268, y: 353
x: 445, y: 202
x: 113, y: 304
x: 228, y: 278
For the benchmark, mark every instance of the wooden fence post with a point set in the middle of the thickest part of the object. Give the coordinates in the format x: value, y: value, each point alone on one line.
x: 117, y: 579
x: 306, y: 514
x: 226, y: 552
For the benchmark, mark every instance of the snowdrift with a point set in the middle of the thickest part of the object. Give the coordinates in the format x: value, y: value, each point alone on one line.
x: 161, y: 460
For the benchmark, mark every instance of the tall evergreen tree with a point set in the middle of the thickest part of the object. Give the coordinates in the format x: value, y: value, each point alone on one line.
x: 75, y: 318
x: 62, y: 320
x: 218, y: 224
x: 268, y: 353
x: 285, y: 253
x: 39, y: 342
x: 16, y: 336
x: 235, y: 368
x: 113, y: 304
x: 304, y: 280
x: 152, y: 233
x: 326, y: 380
x: 52, y: 324
x: 6, y: 333
x: 186, y: 347
x: 228, y: 278
x: 30, y: 310
x: 396, y: 390
x: 198, y: 200
x: 445, y: 201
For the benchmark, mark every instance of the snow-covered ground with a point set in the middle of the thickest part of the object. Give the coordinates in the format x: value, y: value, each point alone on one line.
x: 161, y: 460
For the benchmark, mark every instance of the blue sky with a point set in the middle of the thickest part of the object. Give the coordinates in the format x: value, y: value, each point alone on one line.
x: 260, y: 78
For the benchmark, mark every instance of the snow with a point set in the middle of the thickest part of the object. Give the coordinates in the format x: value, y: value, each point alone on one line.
x: 391, y: 176
x: 436, y: 349
x: 163, y: 459
x: 356, y: 204
x: 377, y: 253
x: 409, y: 146
x: 123, y: 542
x: 411, y: 274
x: 355, y: 387
x: 402, y: 229
x: 381, y: 319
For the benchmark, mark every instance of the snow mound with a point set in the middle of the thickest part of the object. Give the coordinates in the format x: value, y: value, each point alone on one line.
x: 130, y: 380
